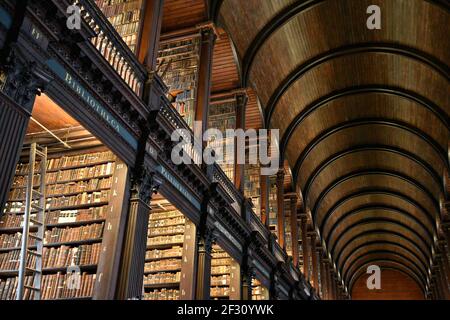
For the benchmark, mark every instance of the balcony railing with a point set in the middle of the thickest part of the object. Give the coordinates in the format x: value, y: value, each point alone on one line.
x: 111, y: 46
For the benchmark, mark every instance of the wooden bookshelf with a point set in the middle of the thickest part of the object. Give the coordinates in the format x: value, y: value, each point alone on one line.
x: 178, y: 66
x: 225, y: 276
x: 222, y: 116
x: 259, y: 292
x: 165, y: 269
x: 78, y: 194
x: 273, y: 224
x: 125, y: 16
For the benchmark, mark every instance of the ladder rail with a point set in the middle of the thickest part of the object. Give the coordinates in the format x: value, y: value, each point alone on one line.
x: 23, y: 283
x: 26, y: 225
x: 40, y: 217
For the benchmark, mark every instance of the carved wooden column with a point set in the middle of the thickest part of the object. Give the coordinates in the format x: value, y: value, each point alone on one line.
x: 150, y: 32
x: 20, y: 81
x: 204, y: 247
x: 239, y: 166
x: 280, y: 208
x: 315, y: 269
x: 305, y: 248
x: 294, y: 230
x: 135, y: 244
x: 208, y: 39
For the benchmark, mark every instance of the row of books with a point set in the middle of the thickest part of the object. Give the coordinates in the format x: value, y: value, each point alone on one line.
x: 66, y: 188
x: 222, y: 280
x: 56, y: 286
x: 163, y: 265
x: 89, y: 232
x: 68, y: 175
x: 220, y: 261
x: 59, y: 202
x: 166, y: 215
x: 166, y: 222
x: 161, y: 231
x: 68, y: 161
x: 259, y: 292
x: 220, y: 292
x: 66, y: 256
x: 11, y: 260
x: 56, y: 217
x: 14, y: 240
x: 182, y: 46
x: 174, y: 252
x: 161, y: 240
x: 114, y: 7
x: 163, y: 294
x: 162, y: 278
x: 220, y: 273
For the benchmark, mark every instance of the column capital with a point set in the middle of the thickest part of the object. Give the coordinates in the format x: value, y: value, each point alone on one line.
x: 208, y: 29
x: 144, y: 185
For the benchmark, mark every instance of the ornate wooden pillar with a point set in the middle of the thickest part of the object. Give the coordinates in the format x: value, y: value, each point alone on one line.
x: 204, y: 247
x: 150, y: 32
x: 305, y: 248
x: 280, y: 208
x: 315, y: 269
x: 135, y: 244
x: 294, y: 230
x: 239, y: 166
x: 208, y: 39
x: 20, y: 81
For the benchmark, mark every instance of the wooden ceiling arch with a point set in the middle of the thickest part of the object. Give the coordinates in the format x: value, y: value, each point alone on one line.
x: 382, y: 247
x: 387, y: 264
x: 364, y: 116
x: 350, y: 254
x: 357, y: 181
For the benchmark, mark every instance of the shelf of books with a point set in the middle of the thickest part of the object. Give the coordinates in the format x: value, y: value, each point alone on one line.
x: 252, y: 188
x: 259, y: 292
x: 125, y: 16
x: 273, y: 204
x: 221, y: 117
x: 170, y: 244
x: 287, y: 226
x: 77, y: 196
x: 178, y: 66
x: 225, y: 276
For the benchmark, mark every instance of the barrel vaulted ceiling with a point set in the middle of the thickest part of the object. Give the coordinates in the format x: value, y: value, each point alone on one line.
x: 363, y: 117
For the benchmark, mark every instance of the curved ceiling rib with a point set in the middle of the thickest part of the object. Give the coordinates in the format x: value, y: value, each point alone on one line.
x: 387, y: 48
x: 365, y: 173
x: 351, y: 264
x: 344, y: 239
x: 360, y: 122
x: 368, y: 148
x: 364, y: 118
x: 279, y: 20
x: 390, y: 214
x: 385, y: 255
x: 350, y: 256
x: 378, y: 191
